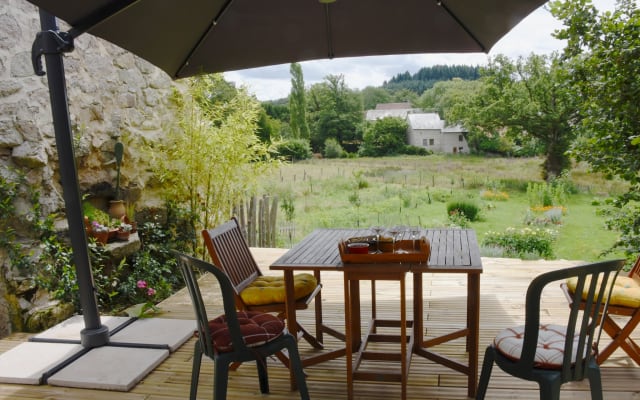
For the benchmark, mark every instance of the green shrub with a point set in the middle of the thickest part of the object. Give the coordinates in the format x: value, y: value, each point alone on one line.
x: 542, y: 194
x: 468, y: 208
x: 333, y: 149
x: 522, y: 243
x: 295, y: 149
x: 416, y: 151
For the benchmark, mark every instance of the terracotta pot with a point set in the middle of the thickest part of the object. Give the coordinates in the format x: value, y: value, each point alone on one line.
x: 101, y: 237
x: 117, y: 209
x: 123, y: 236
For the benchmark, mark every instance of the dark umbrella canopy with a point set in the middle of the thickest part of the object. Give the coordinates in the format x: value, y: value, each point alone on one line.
x: 191, y: 36
x: 188, y: 37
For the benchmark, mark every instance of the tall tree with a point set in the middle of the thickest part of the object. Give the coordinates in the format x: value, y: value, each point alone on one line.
x: 603, y: 49
x: 372, y: 96
x: 335, y: 112
x: 525, y: 100
x: 444, y: 96
x: 298, y: 103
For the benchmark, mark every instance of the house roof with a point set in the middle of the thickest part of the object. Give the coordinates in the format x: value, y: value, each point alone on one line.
x: 425, y: 121
x: 454, y: 129
x: 373, y: 115
x: 393, y: 106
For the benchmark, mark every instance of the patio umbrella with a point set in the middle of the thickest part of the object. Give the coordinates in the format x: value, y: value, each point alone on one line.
x: 192, y: 36
x: 203, y: 36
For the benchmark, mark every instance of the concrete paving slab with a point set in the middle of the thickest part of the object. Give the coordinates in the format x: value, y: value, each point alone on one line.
x: 70, y: 328
x: 109, y: 368
x: 156, y: 331
x: 29, y: 361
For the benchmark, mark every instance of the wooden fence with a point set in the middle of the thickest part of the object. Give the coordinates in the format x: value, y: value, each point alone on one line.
x: 257, y: 218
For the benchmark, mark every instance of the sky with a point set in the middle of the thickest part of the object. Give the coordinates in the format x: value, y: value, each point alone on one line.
x: 531, y: 35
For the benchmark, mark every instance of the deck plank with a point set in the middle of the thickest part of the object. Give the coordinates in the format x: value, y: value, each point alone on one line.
x: 503, y: 284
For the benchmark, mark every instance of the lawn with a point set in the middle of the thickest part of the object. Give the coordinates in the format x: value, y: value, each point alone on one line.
x: 415, y: 190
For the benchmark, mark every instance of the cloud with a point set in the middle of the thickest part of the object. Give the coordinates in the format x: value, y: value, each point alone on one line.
x: 531, y: 35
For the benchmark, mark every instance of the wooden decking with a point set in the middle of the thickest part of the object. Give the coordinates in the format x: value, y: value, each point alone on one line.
x: 503, y: 284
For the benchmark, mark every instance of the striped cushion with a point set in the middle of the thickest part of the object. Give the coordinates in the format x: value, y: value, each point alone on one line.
x: 550, y: 345
x: 257, y: 328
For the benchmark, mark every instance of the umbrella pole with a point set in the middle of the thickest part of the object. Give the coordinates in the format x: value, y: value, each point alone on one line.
x: 51, y: 43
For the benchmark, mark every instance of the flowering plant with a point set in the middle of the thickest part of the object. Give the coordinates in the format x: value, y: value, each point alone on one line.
x: 98, y: 227
x: 124, y: 227
x: 147, y: 308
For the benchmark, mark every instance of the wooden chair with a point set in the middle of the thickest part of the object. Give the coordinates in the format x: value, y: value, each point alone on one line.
x: 235, y: 336
x: 625, y: 303
x: 230, y: 252
x: 555, y: 354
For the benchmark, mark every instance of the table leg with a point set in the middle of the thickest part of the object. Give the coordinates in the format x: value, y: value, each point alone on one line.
x: 348, y: 318
x: 290, y: 309
x: 373, y: 300
x: 403, y: 340
x: 473, y: 321
x: 418, y: 311
x: 356, y: 317
x: 318, y: 309
x: 290, y: 303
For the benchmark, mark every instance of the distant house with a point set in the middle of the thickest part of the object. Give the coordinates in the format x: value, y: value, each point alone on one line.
x: 399, y: 110
x: 425, y: 129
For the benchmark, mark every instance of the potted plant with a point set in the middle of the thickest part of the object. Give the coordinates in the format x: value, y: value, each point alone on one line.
x: 116, y: 207
x: 130, y: 216
x: 96, y: 222
x: 124, y: 230
x: 99, y: 232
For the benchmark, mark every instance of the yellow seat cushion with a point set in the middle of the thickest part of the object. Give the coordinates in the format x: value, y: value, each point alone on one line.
x: 626, y: 291
x: 270, y: 289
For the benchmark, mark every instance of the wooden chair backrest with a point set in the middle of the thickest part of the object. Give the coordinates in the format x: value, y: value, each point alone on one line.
x: 635, y: 271
x: 230, y: 252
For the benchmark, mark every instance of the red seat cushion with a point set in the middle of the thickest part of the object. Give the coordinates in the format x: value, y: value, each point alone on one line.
x: 549, y: 352
x: 257, y: 328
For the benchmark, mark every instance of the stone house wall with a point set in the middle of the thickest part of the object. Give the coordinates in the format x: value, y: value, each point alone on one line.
x: 113, y: 95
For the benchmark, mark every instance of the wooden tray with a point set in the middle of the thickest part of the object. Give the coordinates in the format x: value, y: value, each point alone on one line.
x: 419, y: 254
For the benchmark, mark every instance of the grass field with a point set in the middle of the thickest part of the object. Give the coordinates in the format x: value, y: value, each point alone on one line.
x: 415, y: 190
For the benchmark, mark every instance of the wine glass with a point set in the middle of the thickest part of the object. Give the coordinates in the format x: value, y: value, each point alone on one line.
x: 377, y: 229
x: 415, y: 232
x: 394, y: 231
x: 401, y: 230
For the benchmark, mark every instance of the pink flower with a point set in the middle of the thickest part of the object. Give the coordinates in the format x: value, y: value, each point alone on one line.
x: 151, y: 291
x: 142, y: 284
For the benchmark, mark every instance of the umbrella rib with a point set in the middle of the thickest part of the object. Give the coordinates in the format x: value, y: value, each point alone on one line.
x: 99, y: 16
x: 330, y: 52
x: 215, y: 21
x: 462, y: 25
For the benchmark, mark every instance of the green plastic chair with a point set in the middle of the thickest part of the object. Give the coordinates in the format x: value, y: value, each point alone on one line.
x: 555, y: 354
x: 235, y: 336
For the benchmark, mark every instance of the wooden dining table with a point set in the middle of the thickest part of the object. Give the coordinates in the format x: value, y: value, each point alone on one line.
x: 451, y: 251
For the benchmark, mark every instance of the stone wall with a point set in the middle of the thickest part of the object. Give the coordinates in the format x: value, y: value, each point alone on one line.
x: 113, y: 95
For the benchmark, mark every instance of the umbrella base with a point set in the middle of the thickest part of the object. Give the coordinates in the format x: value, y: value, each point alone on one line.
x: 90, y: 338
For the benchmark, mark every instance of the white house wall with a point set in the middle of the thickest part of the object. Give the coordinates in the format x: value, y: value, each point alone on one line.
x: 438, y: 141
x: 425, y: 130
x: 454, y: 142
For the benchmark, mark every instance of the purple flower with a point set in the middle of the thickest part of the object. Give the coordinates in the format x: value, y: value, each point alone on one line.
x: 142, y: 284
